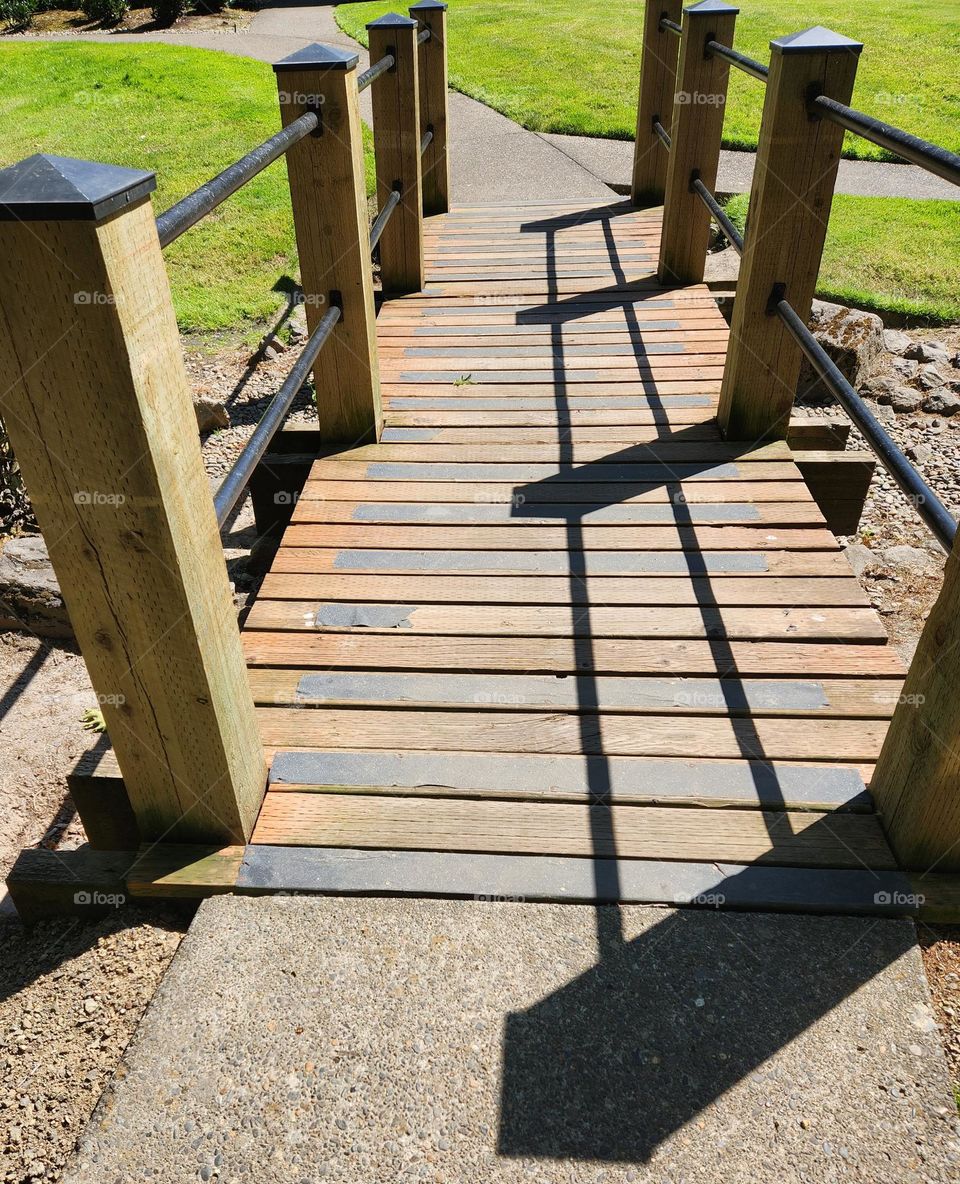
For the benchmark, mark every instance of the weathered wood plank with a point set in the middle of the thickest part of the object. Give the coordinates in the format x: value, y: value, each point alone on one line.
x: 540, y: 828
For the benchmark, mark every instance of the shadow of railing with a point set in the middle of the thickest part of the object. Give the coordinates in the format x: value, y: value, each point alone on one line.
x: 619, y: 1058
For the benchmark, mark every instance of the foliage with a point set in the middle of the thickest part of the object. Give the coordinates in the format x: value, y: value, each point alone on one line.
x: 16, y: 513
x: 165, y: 12
x: 185, y: 114
x: 107, y: 12
x: 888, y: 255
x: 572, y: 65
x: 18, y: 14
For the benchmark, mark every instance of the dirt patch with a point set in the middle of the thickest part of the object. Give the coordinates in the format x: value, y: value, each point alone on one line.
x: 138, y: 19
x: 940, y: 945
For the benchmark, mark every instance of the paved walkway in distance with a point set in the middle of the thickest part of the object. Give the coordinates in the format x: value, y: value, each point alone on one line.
x: 369, y: 1040
x: 612, y: 160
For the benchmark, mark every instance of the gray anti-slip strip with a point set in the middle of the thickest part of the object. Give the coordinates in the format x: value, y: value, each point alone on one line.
x: 481, y: 690
x: 553, y: 562
x: 558, y: 403
x: 548, y: 369
x: 752, y: 782
x: 551, y: 513
x: 517, y: 471
x: 613, y: 349
x: 532, y: 314
x: 368, y: 616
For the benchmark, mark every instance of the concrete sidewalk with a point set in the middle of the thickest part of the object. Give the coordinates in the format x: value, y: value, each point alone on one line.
x: 454, y: 1041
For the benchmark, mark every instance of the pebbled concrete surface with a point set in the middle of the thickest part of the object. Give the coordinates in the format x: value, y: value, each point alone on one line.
x: 612, y: 161
x: 366, y: 1040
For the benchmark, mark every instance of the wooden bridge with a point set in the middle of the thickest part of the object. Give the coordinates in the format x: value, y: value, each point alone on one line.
x: 556, y: 613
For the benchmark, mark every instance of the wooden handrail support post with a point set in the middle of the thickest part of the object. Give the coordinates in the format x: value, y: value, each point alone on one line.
x: 434, y: 164
x: 658, y: 74
x: 915, y: 783
x: 329, y: 197
x: 696, y: 129
x: 797, y: 161
x: 99, y: 410
x: 396, y: 145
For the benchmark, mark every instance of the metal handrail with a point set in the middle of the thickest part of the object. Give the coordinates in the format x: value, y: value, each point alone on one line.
x: 423, y: 35
x: 928, y: 505
x: 719, y: 216
x: 236, y: 480
x: 425, y: 141
x: 190, y: 209
x: 928, y: 156
x: 748, y: 65
x: 387, y: 62
x: 668, y: 26
x: 384, y: 217
x: 662, y: 133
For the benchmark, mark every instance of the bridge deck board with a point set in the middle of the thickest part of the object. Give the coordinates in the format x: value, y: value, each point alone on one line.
x: 552, y: 586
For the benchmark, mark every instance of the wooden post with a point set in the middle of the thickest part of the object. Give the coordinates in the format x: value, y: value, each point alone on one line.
x: 329, y: 196
x: 658, y: 75
x: 396, y: 143
x: 793, y: 181
x: 99, y: 410
x: 916, y: 778
x: 695, y: 132
x: 434, y: 164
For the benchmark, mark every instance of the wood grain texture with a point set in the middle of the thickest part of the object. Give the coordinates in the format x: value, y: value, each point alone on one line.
x: 629, y: 832
x: 432, y: 65
x: 658, y: 74
x: 98, y: 408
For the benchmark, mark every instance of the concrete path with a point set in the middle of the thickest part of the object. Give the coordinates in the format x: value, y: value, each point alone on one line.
x: 612, y: 161
x: 367, y: 1040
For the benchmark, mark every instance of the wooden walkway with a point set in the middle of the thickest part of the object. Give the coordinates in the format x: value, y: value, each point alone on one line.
x: 552, y: 616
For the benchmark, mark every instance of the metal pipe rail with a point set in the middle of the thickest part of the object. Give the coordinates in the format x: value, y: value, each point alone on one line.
x: 928, y: 505
x: 425, y: 140
x: 748, y: 65
x: 668, y: 26
x: 189, y: 210
x: 721, y: 219
x: 928, y: 156
x: 387, y: 62
x: 236, y: 480
x: 384, y: 217
x: 662, y: 134
x: 423, y: 36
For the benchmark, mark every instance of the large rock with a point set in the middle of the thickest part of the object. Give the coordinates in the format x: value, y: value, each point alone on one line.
x: 904, y: 400
x: 942, y: 403
x: 211, y: 413
x: 29, y: 593
x: 854, y: 341
x: 895, y: 341
x: 929, y: 351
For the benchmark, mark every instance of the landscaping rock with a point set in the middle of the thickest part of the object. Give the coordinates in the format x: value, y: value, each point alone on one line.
x: 906, y: 368
x: 906, y: 558
x: 853, y: 339
x: 211, y: 414
x: 859, y: 557
x: 904, y: 400
x: 942, y: 403
x: 895, y: 341
x: 29, y: 593
x: 921, y: 453
x: 928, y: 351
x: 929, y: 378
x: 879, y: 389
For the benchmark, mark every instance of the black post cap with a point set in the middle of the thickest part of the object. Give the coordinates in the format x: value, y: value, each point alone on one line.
x: 711, y: 7
x: 816, y: 40
x: 318, y: 57
x: 429, y: 5
x: 45, y: 188
x: 392, y: 20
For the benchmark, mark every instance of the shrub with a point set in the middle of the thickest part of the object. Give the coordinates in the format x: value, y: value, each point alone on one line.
x: 107, y: 12
x: 18, y: 13
x: 210, y: 6
x: 165, y: 12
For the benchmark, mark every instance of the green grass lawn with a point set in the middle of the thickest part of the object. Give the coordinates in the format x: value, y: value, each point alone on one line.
x: 889, y: 254
x: 572, y: 66
x: 186, y: 114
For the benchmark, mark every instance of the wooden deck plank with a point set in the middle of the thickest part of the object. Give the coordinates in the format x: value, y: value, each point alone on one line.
x: 679, y: 656
x: 635, y: 832
x: 859, y: 625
